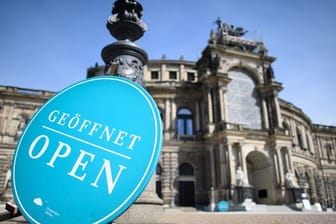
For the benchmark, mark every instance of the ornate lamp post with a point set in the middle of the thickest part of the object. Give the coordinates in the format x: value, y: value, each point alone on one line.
x: 126, y: 59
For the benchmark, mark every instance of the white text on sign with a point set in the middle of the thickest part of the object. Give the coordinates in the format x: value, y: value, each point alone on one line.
x: 83, y: 159
x: 78, y: 169
x: 95, y: 129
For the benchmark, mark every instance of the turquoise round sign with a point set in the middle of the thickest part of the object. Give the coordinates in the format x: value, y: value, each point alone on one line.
x: 88, y: 153
x: 223, y: 206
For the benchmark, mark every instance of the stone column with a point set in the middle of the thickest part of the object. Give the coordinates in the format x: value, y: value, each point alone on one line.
x: 290, y: 161
x: 173, y: 174
x: 232, y: 171
x: 277, y: 110
x: 276, y: 168
x: 173, y: 117
x: 221, y: 164
x: 312, y: 183
x: 165, y: 177
x: 265, y: 113
x: 181, y: 71
x: 198, y: 117
x: 224, y: 103
x: 167, y: 120
x: 221, y: 103
x: 232, y: 165
x: 242, y: 160
x: 125, y: 59
x: 280, y: 165
x: 212, y: 166
x: 210, y: 111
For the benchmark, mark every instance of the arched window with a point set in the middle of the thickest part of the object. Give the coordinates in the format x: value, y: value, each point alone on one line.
x: 243, y: 101
x: 329, y: 150
x: 184, y: 122
x: 286, y: 127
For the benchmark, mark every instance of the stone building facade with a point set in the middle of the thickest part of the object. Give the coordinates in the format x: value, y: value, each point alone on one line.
x: 221, y: 114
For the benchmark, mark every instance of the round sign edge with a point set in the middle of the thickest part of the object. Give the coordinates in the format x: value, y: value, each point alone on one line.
x: 149, y: 169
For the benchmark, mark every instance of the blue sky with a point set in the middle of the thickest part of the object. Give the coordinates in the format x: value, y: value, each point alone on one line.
x: 49, y: 44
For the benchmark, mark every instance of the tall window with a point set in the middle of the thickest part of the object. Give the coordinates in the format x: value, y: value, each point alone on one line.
x: 162, y: 116
x: 243, y: 101
x: 329, y: 150
x: 158, y: 180
x: 173, y: 75
x: 299, y: 137
x: 184, y: 122
x: 191, y: 76
x: 155, y: 75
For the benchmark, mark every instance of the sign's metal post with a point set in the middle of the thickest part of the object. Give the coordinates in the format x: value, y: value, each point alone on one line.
x: 126, y: 59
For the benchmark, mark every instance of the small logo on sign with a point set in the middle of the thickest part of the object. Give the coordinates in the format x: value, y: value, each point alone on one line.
x: 38, y: 201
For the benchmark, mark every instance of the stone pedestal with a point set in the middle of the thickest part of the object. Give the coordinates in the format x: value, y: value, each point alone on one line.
x: 293, y: 198
x: 242, y: 193
x: 147, y: 209
x: 294, y: 195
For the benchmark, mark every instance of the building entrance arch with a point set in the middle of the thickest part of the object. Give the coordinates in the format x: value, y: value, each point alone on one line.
x: 259, y: 172
x: 186, y: 185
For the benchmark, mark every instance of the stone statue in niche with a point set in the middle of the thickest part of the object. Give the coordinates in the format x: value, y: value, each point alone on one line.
x: 214, y: 62
x: 241, y: 178
x: 290, y: 180
x: 269, y: 74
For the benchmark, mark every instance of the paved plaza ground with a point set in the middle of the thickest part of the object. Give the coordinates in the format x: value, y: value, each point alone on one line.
x: 176, y: 216
x: 179, y: 217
